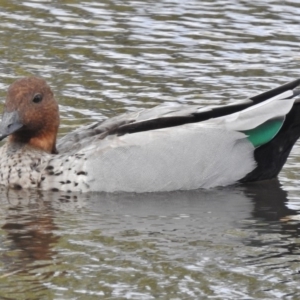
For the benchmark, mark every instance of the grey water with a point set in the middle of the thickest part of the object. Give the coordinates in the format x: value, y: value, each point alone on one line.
x: 103, y: 58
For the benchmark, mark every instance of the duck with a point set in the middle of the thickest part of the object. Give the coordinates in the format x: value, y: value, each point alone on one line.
x: 161, y: 149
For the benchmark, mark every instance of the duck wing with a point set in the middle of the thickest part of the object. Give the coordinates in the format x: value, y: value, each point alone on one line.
x: 243, y: 114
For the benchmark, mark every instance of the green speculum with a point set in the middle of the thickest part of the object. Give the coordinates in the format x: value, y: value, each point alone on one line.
x: 265, y: 132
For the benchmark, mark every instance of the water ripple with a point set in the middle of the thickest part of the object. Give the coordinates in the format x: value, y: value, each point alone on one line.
x: 111, y: 57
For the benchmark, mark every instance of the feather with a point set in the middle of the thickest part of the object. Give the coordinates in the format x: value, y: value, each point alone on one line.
x: 181, y: 158
x: 253, y: 116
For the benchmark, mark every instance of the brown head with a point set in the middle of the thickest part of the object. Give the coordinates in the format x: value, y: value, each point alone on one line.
x: 31, y: 114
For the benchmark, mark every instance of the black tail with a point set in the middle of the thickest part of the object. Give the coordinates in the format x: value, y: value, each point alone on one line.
x: 281, y: 89
x: 272, y: 156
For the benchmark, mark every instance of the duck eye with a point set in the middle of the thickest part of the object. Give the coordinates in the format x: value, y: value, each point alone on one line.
x: 37, y: 98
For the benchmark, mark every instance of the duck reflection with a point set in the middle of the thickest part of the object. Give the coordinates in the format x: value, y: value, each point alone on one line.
x: 28, y: 240
x: 273, y: 216
x: 32, y: 219
x: 270, y: 200
x: 29, y: 228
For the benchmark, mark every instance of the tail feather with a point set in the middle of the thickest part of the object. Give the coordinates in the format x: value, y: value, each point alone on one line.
x: 279, y: 90
x: 277, y: 106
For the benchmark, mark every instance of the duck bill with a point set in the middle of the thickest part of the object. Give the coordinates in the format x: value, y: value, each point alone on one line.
x: 10, y: 123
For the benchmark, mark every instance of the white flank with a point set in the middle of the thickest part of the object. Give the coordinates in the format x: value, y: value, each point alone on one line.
x: 187, y: 157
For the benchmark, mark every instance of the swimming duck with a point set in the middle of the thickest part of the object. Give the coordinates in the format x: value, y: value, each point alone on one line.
x: 178, y: 147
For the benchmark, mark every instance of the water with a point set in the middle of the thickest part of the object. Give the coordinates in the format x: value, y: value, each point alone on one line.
x: 105, y: 58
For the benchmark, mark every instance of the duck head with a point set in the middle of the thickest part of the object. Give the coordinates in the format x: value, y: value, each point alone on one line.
x: 31, y: 114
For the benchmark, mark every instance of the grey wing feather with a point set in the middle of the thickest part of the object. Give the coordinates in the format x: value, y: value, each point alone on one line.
x: 161, y: 116
x: 84, y: 135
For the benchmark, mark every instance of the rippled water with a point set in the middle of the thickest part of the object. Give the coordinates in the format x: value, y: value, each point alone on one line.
x: 104, y: 58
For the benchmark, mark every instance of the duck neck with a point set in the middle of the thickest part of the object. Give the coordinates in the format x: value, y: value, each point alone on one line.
x: 44, y: 141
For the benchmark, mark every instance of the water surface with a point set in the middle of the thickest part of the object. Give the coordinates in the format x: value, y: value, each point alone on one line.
x: 108, y: 57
